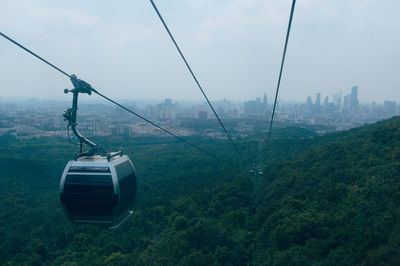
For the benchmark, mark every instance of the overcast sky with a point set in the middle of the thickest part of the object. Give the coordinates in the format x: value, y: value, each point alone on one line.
x: 234, y: 47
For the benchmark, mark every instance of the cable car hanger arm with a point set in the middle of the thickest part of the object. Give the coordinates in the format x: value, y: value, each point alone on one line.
x: 70, y: 114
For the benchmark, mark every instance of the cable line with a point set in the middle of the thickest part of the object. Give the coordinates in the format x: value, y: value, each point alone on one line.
x: 157, y: 126
x: 35, y: 55
x: 114, y: 102
x: 194, y: 76
x: 280, y: 72
x: 260, y: 146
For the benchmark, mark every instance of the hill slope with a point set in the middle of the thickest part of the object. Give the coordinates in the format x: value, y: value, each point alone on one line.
x: 337, y: 203
x: 330, y: 200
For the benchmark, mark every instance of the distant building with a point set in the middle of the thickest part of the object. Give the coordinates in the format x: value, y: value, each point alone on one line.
x: 326, y: 101
x: 389, y: 109
x: 166, y: 110
x: 354, y: 99
x: 265, y: 105
x: 202, y: 115
x: 114, y: 131
x: 337, y: 100
x: 256, y: 108
x: 350, y: 102
x: 168, y: 102
x: 318, y: 99
x: 309, y: 101
x: 151, y: 112
x: 346, y: 103
x: 121, y: 131
x: 125, y: 131
x: 98, y: 126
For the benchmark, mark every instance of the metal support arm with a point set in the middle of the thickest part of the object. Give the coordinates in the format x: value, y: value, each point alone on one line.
x: 70, y: 114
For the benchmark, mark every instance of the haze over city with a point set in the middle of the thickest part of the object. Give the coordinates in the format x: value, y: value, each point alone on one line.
x: 234, y: 47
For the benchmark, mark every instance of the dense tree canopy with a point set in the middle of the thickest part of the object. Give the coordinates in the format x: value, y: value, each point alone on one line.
x: 323, y: 200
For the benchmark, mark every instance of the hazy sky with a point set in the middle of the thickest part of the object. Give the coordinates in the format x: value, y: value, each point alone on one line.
x: 234, y: 47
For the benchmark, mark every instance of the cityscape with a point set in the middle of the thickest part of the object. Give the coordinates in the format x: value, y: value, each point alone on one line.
x: 34, y: 118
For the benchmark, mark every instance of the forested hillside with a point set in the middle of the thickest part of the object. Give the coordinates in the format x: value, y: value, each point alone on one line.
x: 330, y: 200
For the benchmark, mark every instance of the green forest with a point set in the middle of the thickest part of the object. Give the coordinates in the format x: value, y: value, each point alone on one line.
x: 322, y: 200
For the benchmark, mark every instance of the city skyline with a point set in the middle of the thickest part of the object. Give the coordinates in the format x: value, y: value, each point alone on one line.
x: 332, y: 98
x: 233, y: 46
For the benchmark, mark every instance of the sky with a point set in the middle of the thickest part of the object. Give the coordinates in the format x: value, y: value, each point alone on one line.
x: 233, y: 46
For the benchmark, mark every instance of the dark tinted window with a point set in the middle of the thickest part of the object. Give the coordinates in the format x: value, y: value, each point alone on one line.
x: 89, y: 195
x: 100, y: 169
x: 127, y: 184
x: 123, y: 169
x: 88, y: 184
x: 90, y: 207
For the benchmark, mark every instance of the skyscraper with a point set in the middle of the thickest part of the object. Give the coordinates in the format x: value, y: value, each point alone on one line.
x: 318, y: 99
x: 326, y: 101
x: 337, y: 100
x: 354, y: 92
x: 309, y: 101
x: 347, y: 103
x: 354, y: 99
x: 256, y: 107
x: 265, y: 105
x: 389, y: 108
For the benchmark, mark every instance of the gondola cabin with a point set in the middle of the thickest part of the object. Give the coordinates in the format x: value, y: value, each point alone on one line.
x: 100, y: 190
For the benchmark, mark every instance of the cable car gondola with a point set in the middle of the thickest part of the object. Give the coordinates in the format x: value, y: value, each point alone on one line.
x: 96, y: 187
x: 96, y: 190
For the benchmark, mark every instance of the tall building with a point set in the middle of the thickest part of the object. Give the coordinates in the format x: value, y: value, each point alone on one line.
x: 125, y: 131
x: 151, y: 112
x: 168, y: 102
x: 250, y: 107
x: 389, y: 109
x: 350, y: 102
x: 347, y: 103
x: 318, y: 99
x: 166, y: 110
x: 255, y: 108
x: 98, y: 126
x: 265, y: 105
x: 337, y: 100
x: 309, y: 101
x: 326, y: 101
x: 202, y: 115
x: 354, y: 92
x: 354, y: 99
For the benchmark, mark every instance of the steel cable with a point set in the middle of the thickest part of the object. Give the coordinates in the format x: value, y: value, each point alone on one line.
x: 155, y: 125
x: 260, y: 146
x: 281, y: 70
x: 194, y: 76
x: 35, y: 55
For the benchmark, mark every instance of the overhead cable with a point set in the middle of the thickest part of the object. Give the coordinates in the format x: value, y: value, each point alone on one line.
x: 114, y: 102
x: 273, y: 110
x: 157, y: 126
x: 194, y: 76
x: 280, y: 72
x: 35, y: 55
